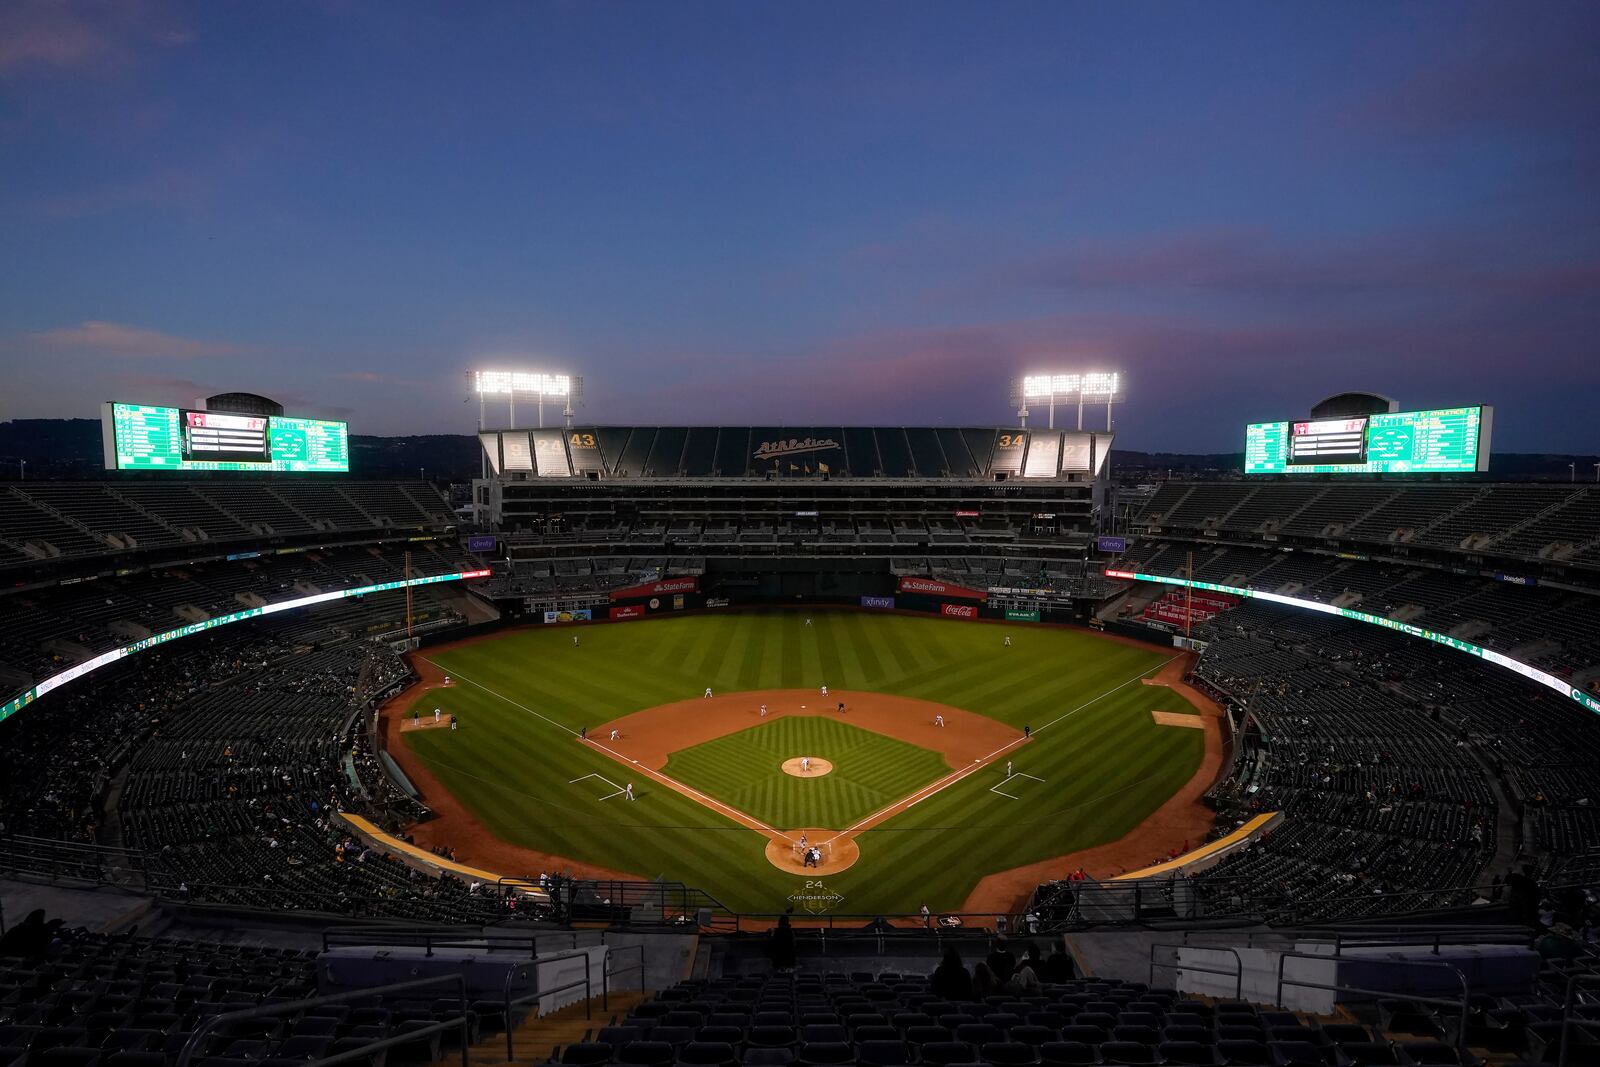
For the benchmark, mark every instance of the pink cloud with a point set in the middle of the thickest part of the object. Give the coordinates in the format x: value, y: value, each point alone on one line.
x: 92, y: 37
x: 128, y: 342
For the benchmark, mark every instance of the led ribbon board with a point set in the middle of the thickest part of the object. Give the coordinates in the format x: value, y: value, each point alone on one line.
x: 1440, y: 441
x: 105, y: 659
x: 1544, y: 678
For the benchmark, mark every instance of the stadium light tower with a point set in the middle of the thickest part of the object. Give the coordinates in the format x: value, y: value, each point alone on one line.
x: 511, y: 384
x: 1092, y: 386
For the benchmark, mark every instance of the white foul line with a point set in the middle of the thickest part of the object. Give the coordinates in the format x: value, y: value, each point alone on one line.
x: 955, y: 776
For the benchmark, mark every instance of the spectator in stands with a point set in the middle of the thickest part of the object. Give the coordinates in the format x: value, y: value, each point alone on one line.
x: 950, y: 979
x: 1002, y: 962
x: 984, y: 983
x: 1523, y: 898
x: 781, y: 948
x: 1059, y: 967
x: 1023, y: 983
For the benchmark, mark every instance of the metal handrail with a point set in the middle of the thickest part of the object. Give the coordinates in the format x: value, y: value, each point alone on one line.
x: 263, y: 1011
x: 1462, y: 1005
x: 607, y: 973
x: 588, y: 990
x: 1237, y: 975
x: 1566, y: 1012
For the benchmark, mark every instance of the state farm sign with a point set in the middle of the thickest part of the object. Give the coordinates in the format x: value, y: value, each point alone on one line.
x: 930, y: 587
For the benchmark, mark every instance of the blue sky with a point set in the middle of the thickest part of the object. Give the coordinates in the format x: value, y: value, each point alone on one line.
x: 819, y: 213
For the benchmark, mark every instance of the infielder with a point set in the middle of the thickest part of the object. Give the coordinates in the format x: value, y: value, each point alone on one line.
x: 938, y: 720
x: 1008, y: 768
x: 615, y: 735
x: 805, y: 764
x: 435, y: 714
x: 824, y: 690
x: 763, y: 711
x: 708, y: 692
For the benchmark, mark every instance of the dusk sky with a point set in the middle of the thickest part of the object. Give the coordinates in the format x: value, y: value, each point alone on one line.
x: 805, y: 213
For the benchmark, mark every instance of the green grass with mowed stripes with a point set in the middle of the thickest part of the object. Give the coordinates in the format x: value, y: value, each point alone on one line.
x: 523, y: 696
x: 744, y: 769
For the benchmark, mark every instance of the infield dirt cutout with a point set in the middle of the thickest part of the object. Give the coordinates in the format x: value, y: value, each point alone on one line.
x: 807, y: 766
x: 967, y: 741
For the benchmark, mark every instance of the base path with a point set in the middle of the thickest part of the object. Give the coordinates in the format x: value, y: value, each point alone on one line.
x: 966, y: 740
x: 1183, y: 819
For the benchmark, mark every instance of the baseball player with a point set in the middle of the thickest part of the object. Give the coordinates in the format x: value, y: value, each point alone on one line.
x: 805, y: 764
x: 841, y: 707
x: 1008, y: 640
x: 938, y: 720
x: 416, y: 717
x: 824, y: 690
x: 615, y: 735
x: 452, y: 723
x: 435, y: 714
x: 575, y: 641
x: 763, y: 711
x: 1008, y: 768
x: 628, y: 791
x: 708, y: 692
x: 808, y: 620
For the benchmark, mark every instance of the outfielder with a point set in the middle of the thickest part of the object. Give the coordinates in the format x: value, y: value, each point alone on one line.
x: 1008, y: 640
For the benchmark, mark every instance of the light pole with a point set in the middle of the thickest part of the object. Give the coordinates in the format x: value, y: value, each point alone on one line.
x: 1597, y: 472
x: 1572, y: 472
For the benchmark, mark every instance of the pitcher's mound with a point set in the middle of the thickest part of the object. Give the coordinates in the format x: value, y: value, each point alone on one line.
x: 837, y: 854
x: 815, y: 769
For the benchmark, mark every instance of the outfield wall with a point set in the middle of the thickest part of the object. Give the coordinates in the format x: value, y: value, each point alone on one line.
x: 106, y: 659
x: 1500, y: 659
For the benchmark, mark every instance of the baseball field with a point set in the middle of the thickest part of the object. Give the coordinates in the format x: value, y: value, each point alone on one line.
x: 960, y: 769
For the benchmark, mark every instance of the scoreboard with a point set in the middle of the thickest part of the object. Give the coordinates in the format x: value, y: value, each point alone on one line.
x: 138, y: 437
x: 1439, y: 441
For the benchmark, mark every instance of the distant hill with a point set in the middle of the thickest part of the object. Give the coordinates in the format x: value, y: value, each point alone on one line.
x: 70, y: 449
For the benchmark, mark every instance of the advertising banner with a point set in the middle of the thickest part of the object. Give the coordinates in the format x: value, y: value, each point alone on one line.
x: 932, y: 588
x: 482, y: 543
x: 1022, y: 615
x: 717, y: 602
x: 1111, y: 544
x: 631, y: 611
x: 959, y: 611
x: 877, y: 601
x: 569, y: 615
x: 665, y: 587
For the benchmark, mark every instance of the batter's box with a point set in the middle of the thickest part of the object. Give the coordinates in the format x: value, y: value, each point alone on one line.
x: 1012, y: 782
x: 617, y: 790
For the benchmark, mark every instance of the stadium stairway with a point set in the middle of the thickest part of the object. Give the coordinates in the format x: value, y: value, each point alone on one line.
x: 539, y: 1036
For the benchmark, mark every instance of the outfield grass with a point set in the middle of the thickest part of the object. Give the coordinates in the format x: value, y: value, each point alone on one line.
x: 523, y: 696
x: 744, y: 769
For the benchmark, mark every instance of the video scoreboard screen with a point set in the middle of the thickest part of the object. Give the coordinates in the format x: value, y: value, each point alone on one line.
x: 1440, y: 441
x: 139, y: 437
